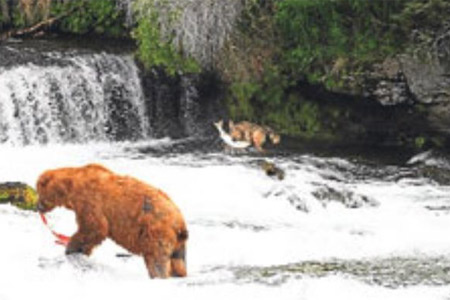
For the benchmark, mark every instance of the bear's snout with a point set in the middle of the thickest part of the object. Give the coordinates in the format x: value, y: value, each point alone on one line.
x: 41, y: 207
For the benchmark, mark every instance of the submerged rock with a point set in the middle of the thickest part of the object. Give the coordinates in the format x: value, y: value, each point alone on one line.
x: 18, y: 194
x: 348, y: 198
x: 389, y: 272
x: 271, y: 169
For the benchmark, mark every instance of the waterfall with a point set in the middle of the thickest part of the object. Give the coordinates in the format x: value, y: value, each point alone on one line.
x: 77, y: 97
x: 58, y: 92
x: 127, y: 7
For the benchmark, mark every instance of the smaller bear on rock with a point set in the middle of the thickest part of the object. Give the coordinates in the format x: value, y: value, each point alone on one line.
x: 256, y: 135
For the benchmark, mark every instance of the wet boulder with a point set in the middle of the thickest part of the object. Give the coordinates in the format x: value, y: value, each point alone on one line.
x: 18, y: 194
x: 271, y: 169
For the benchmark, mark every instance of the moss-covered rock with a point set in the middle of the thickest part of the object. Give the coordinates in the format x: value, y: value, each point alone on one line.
x: 18, y: 194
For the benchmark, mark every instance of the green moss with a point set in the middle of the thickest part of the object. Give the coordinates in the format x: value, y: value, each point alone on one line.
x: 308, y: 117
x: 438, y: 142
x: 240, y: 106
x: 18, y: 194
x: 154, y: 51
x: 18, y: 18
x: 100, y: 17
x: 419, y: 142
x: 315, y: 34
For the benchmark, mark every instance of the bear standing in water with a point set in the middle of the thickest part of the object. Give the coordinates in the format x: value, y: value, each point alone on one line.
x: 135, y: 215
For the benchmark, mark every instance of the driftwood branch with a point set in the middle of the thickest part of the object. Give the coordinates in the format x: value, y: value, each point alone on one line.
x: 31, y: 30
x: 23, y: 32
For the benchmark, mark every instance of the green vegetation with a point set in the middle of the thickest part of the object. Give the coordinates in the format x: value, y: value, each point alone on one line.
x: 278, y: 46
x: 155, y: 50
x: 329, y: 43
x: 77, y: 17
x: 99, y: 17
x: 103, y: 17
x: 325, y: 38
x: 420, y: 142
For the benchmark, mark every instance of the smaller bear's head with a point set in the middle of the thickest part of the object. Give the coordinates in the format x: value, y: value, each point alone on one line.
x: 52, y: 191
x: 274, y: 138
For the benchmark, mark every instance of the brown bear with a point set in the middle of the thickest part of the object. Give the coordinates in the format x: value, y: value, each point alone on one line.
x: 135, y: 215
x: 255, y: 134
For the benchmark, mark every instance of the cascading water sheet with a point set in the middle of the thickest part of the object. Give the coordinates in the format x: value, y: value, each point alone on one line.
x: 81, y: 98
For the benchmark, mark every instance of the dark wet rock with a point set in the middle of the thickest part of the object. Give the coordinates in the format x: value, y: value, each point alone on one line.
x: 183, y: 105
x: 289, y: 193
x: 412, y: 86
x: 393, y: 272
x: 234, y: 224
x: 388, y: 84
x: 421, y: 75
x: 271, y: 169
x: 433, y: 165
x: 436, y: 174
x: 344, y: 120
x: 348, y: 198
x: 298, y: 203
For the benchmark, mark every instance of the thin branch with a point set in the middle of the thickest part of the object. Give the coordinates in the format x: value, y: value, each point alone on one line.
x: 23, y: 32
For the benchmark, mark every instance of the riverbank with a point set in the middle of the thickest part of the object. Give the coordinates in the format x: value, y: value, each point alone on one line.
x: 352, y: 80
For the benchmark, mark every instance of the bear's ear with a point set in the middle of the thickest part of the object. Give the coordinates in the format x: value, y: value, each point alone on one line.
x: 44, y: 180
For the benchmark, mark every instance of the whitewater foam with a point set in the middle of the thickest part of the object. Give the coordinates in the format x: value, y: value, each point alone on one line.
x: 237, y: 221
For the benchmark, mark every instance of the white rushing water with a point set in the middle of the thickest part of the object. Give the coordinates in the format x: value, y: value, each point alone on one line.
x: 248, y: 232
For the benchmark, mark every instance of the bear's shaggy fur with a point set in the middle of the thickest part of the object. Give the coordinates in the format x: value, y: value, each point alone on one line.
x: 137, y: 216
x: 255, y: 134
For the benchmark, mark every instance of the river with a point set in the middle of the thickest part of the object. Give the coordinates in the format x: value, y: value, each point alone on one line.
x: 337, y: 227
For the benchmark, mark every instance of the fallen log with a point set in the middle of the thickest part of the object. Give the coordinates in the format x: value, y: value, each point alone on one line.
x: 18, y: 33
